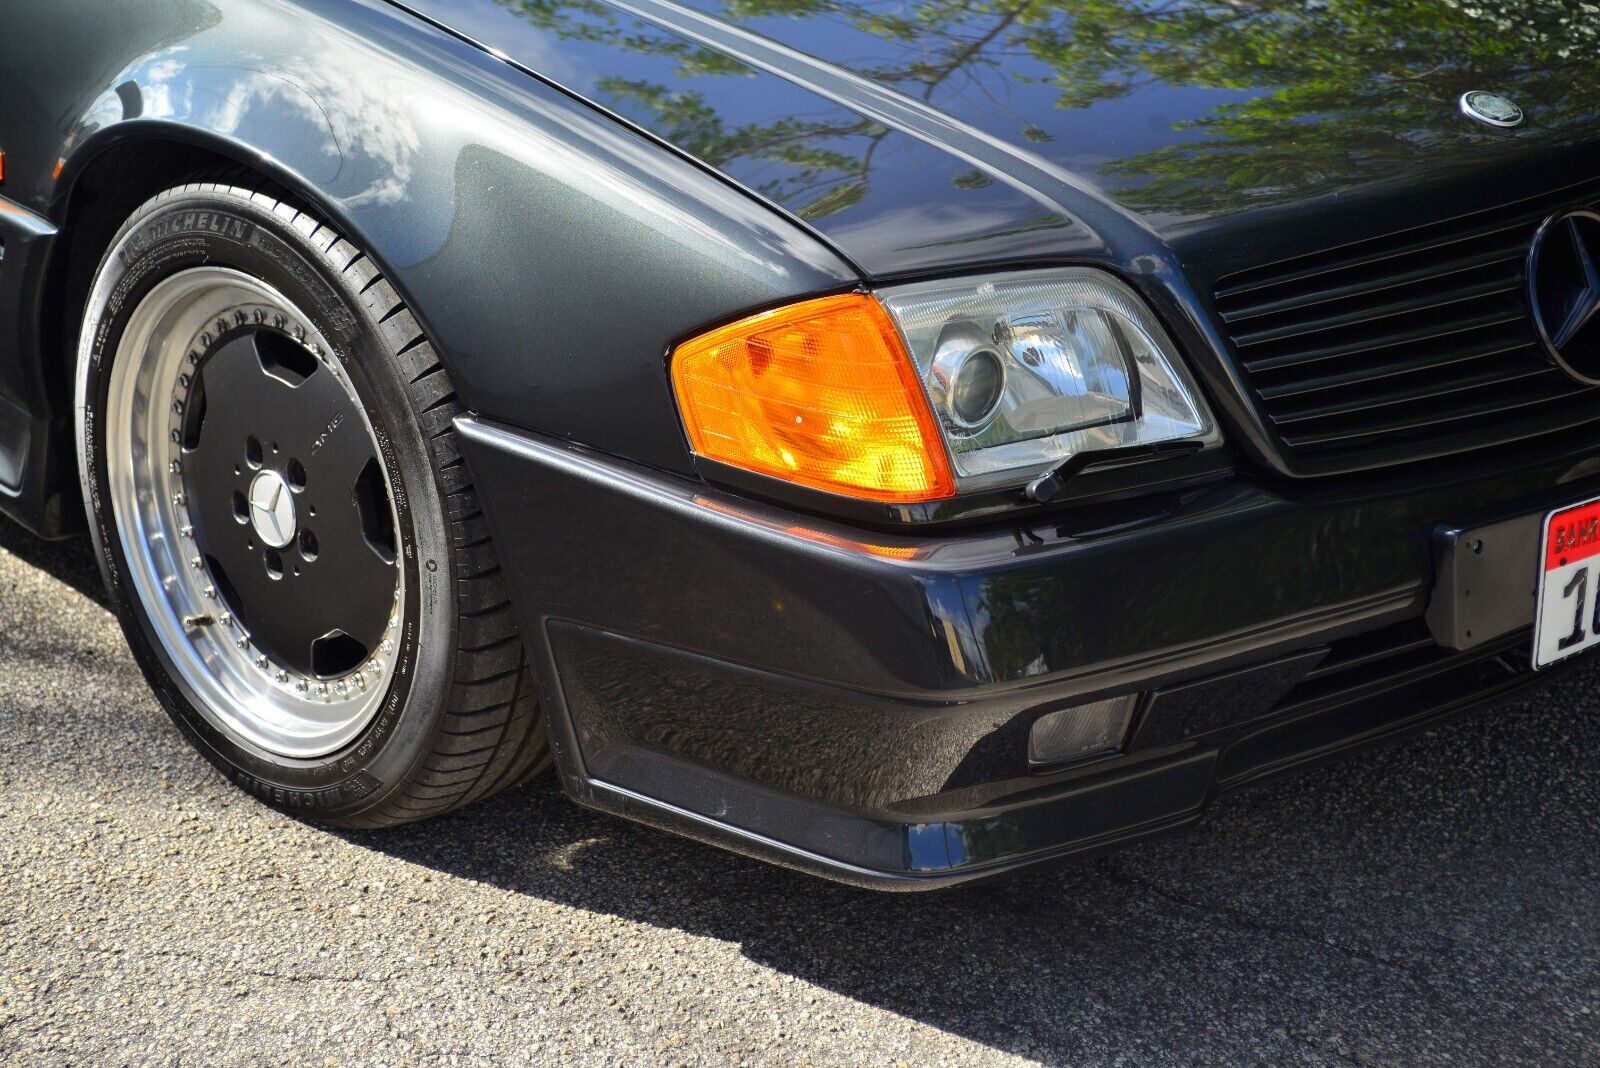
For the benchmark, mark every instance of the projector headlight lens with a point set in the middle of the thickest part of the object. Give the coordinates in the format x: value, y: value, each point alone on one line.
x: 968, y: 378
x: 1028, y: 368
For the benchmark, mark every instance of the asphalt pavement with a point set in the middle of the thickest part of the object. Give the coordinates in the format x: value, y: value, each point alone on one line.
x: 1430, y: 903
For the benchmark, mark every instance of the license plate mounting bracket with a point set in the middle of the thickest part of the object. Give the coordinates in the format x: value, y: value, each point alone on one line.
x: 1485, y: 580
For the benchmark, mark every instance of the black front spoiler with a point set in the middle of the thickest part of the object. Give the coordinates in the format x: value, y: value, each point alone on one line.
x: 857, y: 704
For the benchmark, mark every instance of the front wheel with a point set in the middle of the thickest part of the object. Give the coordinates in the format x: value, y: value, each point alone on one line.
x: 284, y: 522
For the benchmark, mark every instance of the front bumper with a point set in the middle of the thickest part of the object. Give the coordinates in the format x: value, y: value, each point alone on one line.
x: 858, y: 704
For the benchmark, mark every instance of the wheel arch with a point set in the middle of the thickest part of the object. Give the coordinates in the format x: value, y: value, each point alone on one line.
x: 97, y: 187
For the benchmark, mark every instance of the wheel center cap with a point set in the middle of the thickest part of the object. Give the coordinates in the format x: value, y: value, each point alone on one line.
x: 272, y: 509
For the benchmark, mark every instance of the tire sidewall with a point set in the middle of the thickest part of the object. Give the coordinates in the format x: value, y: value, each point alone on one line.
x: 220, y: 226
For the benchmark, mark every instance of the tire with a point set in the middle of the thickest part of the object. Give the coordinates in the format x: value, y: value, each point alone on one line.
x: 260, y: 320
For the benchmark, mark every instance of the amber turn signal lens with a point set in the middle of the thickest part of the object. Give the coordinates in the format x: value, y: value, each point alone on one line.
x: 820, y: 393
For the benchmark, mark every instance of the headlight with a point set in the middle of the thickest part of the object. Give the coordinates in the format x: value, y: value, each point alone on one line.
x: 921, y: 391
x: 1026, y: 369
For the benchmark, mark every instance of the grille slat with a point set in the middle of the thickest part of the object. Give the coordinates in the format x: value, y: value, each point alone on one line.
x: 1467, y: 405
x: 1454, y: 325
x: 1405, y: 346
x: 1381, y: 395
x: 1430, y: 300
x: 1366, y: 258
x: 1417, y: 358
x: 1501, y: 257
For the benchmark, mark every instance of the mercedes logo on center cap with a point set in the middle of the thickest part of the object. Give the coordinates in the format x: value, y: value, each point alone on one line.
x: 1564, y: 292
x: 272, y: 509
x: 1491, y: 108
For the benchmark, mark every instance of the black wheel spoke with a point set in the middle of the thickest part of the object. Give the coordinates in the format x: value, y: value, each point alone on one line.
x: 289, y: 501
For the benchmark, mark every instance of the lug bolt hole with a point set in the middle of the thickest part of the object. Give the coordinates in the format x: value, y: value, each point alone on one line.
x: 297, y: 476
x: 308, y: 546
x: 252, y: 453
x: 241, y: 507
x: 274, y: 564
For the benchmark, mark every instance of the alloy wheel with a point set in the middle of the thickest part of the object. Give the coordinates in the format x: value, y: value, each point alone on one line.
x: 247, y: 484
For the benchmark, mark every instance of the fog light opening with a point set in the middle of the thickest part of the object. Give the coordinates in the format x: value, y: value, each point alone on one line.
x: 1081, y: 732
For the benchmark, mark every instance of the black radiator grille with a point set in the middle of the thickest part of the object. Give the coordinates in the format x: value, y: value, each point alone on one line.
x: 1413, y: 345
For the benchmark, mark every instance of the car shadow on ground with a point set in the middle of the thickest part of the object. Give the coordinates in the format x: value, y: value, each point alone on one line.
x: 1431, y: 901
x: 70, y: 560
x: 1340, y: 916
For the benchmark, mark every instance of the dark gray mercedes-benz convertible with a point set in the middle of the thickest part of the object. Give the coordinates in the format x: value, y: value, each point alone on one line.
x: 903, y: 440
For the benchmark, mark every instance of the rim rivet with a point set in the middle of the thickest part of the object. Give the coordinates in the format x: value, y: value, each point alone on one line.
x: 322, y: 689
x: 184, y: 380
x: 227, y: 619
x: 388, y: 645
x: 242, y: 642
x: 177, y: 407
x: 299, y: 332
x: 261, y: 661
x: 194, y: 358
x: 259, y: 316
x: 204, y: 339
x: 177, y: 499
x: 211, y: 593
x: 195, y: 562
x: 238, y: 318
x: 176, y: 467
x: 301, y: 685
x: 176, y: 437
x: 222, y: 325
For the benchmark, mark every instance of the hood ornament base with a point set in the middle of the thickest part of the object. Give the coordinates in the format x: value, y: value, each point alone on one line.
x: 1491, y: 109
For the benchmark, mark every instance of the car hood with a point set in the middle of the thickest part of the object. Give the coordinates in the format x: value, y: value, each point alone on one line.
x: 919, y: 135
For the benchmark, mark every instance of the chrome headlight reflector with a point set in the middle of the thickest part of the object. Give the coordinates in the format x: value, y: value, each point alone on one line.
x: 1027, y: 369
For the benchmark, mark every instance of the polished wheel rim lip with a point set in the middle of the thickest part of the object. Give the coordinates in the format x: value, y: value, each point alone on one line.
x: 286, y: 713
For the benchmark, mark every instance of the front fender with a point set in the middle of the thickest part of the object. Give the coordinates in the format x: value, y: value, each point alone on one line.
x: 551, y: 254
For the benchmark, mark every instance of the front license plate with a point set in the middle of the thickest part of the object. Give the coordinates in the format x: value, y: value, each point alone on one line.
x: 1568, y: 617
